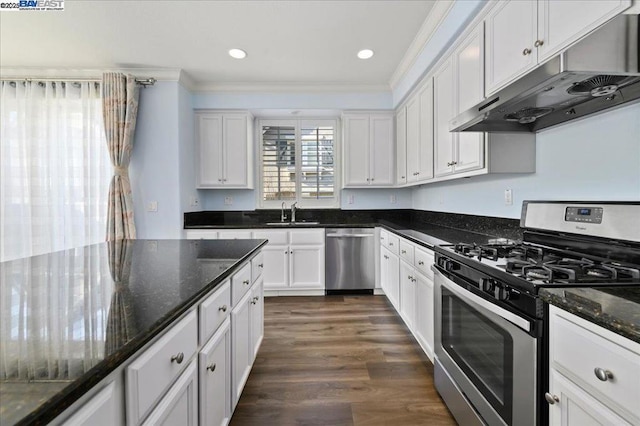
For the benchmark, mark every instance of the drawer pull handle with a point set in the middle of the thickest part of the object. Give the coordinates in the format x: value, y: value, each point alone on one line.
x: 245, y: 282
x: 551, y: 399
x: 420, y: 262
x: 390, y: 244
x: 223, y: 308
x: 260, y: 265
x: 211, y: 367
x: 178, y: 358
x: 603, y: 374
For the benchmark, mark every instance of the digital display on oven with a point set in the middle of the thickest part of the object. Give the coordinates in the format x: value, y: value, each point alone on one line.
x: 584, y: 214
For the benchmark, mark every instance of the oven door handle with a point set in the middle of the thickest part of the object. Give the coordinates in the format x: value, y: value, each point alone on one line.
x: 485, y: 304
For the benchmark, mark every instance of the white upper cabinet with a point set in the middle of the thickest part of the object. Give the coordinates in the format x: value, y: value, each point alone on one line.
x: 401, y: 146
x: 511, y: 31
x: 444, y: 111
x: 224, y: 153
x: 420, y: 134
x: 523, y: 33
x: 468, y: 61
x: 562, y: 22
x: 369, y: 149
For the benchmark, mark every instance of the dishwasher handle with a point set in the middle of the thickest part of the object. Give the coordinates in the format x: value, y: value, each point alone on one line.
x: 349, y: 235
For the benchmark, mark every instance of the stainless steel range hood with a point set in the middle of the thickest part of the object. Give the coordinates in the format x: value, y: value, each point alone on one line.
x: 599, y: 72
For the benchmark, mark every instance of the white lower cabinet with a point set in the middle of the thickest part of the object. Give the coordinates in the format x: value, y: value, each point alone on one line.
x: 594, y: 374
x: 179, y: 406
x: 424, y: 323
x: 408, y: 294
x: 101, y: 410
x: 293, y: 259
x: 407, y: 281
x: 247, y: 330
x: 390, y: 276
x: 214, y: 376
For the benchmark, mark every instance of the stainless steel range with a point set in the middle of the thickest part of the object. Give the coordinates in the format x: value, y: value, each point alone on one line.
x: 490, y: 353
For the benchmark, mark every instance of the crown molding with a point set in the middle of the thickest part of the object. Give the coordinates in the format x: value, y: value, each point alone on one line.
x: 292, y: 87
x: 186, y: 81
x: 429, y: 27
x: 160, y: 74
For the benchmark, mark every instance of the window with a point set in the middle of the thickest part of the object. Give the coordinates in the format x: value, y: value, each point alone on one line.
x: 54, y: 167
x: 298, y: 163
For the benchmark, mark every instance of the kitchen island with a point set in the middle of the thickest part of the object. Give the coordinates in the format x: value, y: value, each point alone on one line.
x: 71, y: 318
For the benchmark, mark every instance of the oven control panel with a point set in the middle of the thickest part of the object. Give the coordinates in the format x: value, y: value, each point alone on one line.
x: 583, y: 214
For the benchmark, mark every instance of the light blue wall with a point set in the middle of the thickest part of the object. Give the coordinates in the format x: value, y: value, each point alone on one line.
x: 371, y: 199
x: 154, y: 168
x: 596, y: 158
x: 186, y: 151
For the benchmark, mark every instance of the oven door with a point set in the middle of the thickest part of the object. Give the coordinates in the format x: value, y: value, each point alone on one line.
x: 488, y: 352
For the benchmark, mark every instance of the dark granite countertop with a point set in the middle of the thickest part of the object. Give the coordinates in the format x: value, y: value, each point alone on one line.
x: 614, y: 308
x: 70, y: 318
x: 426, y: 228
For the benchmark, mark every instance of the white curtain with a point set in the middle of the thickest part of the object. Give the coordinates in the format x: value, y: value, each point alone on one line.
x: 54, y: 165
x: 53, y: 314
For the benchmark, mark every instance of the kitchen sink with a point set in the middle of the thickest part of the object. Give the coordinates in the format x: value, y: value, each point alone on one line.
x: 300, y: 223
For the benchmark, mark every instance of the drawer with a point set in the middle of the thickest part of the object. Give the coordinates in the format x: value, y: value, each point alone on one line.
x: 201, y: 234
x: 240, y: 283
x: 384, y: 238
x: 406, y: 251
x: 423, y: 262
x: 276, y: 237
x: 234, y: 234
x: 311, y: 237
x: 157, y: 368
x: 257, y: 266
x: 578, y: 351
x: 393, y: 244
x: 213, y: 310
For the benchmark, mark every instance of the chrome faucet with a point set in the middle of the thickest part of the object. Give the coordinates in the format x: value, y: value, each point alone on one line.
x: 283, y: 216
x: 293, y: 212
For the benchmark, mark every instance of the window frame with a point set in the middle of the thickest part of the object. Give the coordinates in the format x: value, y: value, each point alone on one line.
x: 298, y: 124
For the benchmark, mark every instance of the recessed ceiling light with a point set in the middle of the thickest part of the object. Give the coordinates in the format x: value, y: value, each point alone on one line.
x: 237, y: 53
x: 365, y: 53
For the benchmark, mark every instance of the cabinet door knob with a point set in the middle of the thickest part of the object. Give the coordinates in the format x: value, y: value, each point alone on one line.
x: 538, y: 43
x: 368, y: 180
x: 390, y: 244
x: 260, y: 265
x: 401, y: 177
x: 420, y: 262
x: 371, y: 179
x: 551, y: 399
x: 245, y: 282
x: 178, y: 358
x: 526, y: 51
x: 404, y: 252
x: 223, y: 308
x: 603, y: 374
x: 211, y: 367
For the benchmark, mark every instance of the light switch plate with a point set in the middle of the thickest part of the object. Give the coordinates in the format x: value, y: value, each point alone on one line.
x: 152, y: 206
x: 508, y: 197
x: 228, y: 201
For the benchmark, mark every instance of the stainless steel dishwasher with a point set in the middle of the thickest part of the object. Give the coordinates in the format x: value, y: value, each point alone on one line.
x: 350, y: 260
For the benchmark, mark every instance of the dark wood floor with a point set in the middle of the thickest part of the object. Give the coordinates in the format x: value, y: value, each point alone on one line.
x: 339, y: 361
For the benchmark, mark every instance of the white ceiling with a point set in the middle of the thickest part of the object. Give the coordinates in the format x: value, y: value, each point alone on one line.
x: 289, y: 43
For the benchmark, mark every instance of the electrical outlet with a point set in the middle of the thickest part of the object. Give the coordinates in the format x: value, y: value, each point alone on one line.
x: 228, y: 201
x: 194, y: 201
x: 393, y: 199
x: 508, y: 197
x: 351, y: 199
x: 152, y: 206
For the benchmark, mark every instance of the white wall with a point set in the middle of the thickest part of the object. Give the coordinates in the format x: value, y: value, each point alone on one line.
x: 596, y: 158
x: 154, y: 168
